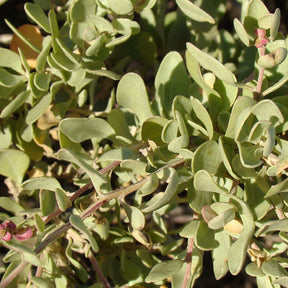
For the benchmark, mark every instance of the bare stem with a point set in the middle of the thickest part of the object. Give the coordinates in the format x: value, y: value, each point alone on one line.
x: 261, y: 72
x: 188, y: 260
x: 98, y: 270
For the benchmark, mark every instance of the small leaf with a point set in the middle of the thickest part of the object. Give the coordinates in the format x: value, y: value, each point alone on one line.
x: 79, y: 130
x: 211, y: 64
x: 10, y: 59
x: 163, y: 270
x: 42, y: 58
x: 194, y: 12
x: 96, y: 178
x: 275, y: 24
x: 241, y: 32
x: 131, y: 94
x: 29, y: 39
x: 42, y: 81
x: 273, y: 268
x: 10, y: 205
x: 273, y: 59
x: 40, y: 225
x: 118, y: 154
x: 171, y: 80
x: 123, y: 8
x: 207, y: 157
x: 14, y: 164
x: 10, y: 80
x: 47, y: 183
x: 77, y: 267
x: 36, y: 13
x: 205, y: 237
x: 78, y: 223
x: 168, y: 194
x: 135, y: 216
x: 62, y: 199
x: 38, y: 109
x: 47, y: 202
x: 15, y: 104
x: 152, y: 129
x: 219, y: 254
x: 150, y: 186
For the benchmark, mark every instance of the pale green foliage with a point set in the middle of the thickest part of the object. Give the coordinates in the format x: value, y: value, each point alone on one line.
x: 201, y: 134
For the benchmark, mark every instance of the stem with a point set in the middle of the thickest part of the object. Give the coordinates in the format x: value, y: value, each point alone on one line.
x: 98, y: 270
x: 261, y: 73
x: 119, y: 193
x: 188, y: 259
x: 80, y: 191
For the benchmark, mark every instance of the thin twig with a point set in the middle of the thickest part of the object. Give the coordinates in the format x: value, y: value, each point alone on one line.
x: 188, y: 260
x: 98, y: 270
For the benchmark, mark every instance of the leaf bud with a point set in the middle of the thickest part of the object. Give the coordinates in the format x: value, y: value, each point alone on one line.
x: 272, y: 59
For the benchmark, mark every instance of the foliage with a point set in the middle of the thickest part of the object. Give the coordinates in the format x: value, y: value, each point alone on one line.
x: 208, y: 137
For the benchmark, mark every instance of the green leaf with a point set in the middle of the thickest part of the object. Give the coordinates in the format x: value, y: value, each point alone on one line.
x: 171, y: 80
x: 240, y: 105
x: 205, y: 237
x: 275, y: 24
x: 36, y: 13
x: 283, y: 281
x: 250, y: 155
x: 150, y: 186
x: 42, y: 282
x: 219, y: 254
x: 118, y: 154
x: 47, y: 183
x: 195, y: 72
x: 166, y: 196
x: 135, y: 216
x: 14, y: 164
x: 117, y: 120
x: 10, y: 205
x: 15, y: 104
x: 42, y: 81
x: 208, y: 157
x: 178, y: 143
x: 10, y: 59
x: 39, y: 223
x: 81, y: 129
x: 241, y: 32
x: 211, y: 64
x: 80, y: 10
x: 203, y: 182
x: 152, y: 129
x: 131, y: 94
x: 96, y: 178
x: 10, y: 80
x: 62, y: 199
x: 23, y: 38
x: 163, y: 270
x: 273, y: 268
x: 47, y: 202
x: 77, y: 267
x: 194, y: 12
x: 78, y: 223
x: 42, y: 57
x: 123, y: 8
x: 281, y: 187
x: 38, y: 109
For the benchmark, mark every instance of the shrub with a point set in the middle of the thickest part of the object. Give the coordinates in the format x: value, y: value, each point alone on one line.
x: 97, y: 169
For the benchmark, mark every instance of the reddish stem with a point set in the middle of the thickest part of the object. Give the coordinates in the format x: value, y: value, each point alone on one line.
x: 188, y: 260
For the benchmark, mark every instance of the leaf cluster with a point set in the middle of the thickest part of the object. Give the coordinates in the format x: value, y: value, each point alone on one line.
x: 99, y: 168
